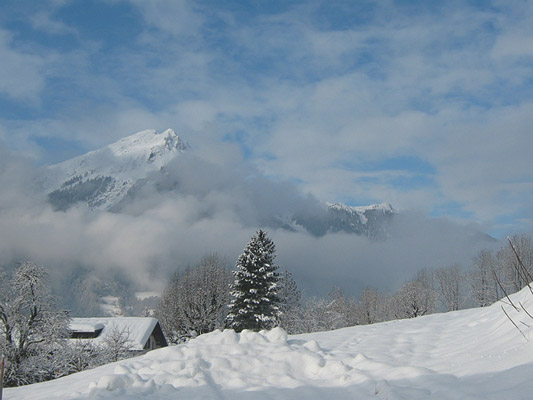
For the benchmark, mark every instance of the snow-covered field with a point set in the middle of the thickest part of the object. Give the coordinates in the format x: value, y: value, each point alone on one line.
x: 471, y: 354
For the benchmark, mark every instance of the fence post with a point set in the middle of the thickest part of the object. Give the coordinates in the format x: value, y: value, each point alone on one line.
x: 2, y: 378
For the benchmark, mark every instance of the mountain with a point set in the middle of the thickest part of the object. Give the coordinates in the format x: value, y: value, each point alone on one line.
x: 101, y: 178
x: 371, y: 221
x: 113, y: 177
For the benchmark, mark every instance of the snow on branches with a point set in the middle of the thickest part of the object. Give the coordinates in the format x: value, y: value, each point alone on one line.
x: 255, y: 302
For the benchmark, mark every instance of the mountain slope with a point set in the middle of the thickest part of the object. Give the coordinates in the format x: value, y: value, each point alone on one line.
x: 101, y: 178
x: 471, y: 354
x: 370, y: 221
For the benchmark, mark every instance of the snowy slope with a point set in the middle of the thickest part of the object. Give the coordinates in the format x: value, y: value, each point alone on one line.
x: 102, y: 177
x: 472, y: 354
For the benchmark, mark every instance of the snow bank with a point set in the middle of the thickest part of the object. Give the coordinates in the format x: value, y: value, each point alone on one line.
x: 245, y: 361
x: 472, y: 354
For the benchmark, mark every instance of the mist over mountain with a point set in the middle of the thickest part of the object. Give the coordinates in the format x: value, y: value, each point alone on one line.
x: 122, y: 178
x: 141, y: 208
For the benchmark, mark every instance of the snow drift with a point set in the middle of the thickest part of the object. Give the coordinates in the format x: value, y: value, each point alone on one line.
x: 470, y: 354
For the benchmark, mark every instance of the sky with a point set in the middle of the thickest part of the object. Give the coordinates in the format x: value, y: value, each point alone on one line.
x: 425, y: 105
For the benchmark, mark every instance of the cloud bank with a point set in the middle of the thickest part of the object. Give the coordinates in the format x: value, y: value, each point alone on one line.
x: 196, y: 207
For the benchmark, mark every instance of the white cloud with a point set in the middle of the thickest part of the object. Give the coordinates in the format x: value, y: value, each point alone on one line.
x: 486, y: 163
x: 177, y: 18
x: 514, y: 45
x: 448, y: 86
x: 516, y: 32
x: 22, y: 73
x: 44, y: 22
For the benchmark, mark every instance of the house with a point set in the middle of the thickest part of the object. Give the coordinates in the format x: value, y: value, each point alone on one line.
x: 142, y: 333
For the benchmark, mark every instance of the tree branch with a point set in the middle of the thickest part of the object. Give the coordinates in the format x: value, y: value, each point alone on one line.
x: 516, y: 326
x: 504, y: 291
x: 524, y: 270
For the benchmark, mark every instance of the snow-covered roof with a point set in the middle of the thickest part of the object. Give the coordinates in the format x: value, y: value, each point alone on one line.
x: 138, y: 329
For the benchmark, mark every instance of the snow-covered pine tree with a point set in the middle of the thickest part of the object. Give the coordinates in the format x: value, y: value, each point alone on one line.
x: 255, y: 302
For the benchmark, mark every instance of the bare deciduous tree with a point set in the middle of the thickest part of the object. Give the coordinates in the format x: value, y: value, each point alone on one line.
x: 195, y: 301
x: 485, y: 290
x: 289, y: 302
x: 412, y: 300
x: 31, y: 326
x: 117, y: 344
x: 342, y: 309
x: 315, y: 316
x: 450, y: 286
x: 514, y: 276
x: 369, y: 308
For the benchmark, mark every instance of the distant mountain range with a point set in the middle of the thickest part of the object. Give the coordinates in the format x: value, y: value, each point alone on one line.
x: 108, y: 178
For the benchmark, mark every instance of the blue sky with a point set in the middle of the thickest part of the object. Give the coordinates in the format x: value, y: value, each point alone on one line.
x: 427, y: 105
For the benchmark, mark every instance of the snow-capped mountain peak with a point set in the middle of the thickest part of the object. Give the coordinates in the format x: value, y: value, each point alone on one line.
x: 102, y: 177
x: 361, y: 210
x: 148, y: 143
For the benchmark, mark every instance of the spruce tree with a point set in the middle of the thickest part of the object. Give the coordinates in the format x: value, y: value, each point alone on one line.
x: 255, y: 303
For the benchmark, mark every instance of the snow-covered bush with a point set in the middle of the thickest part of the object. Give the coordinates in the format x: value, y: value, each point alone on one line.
x: 81, y: 354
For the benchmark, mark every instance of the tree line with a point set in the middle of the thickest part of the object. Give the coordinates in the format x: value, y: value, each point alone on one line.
x: 196, y: 300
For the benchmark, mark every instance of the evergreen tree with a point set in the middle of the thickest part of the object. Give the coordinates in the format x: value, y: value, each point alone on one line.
x: 255, y: 302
